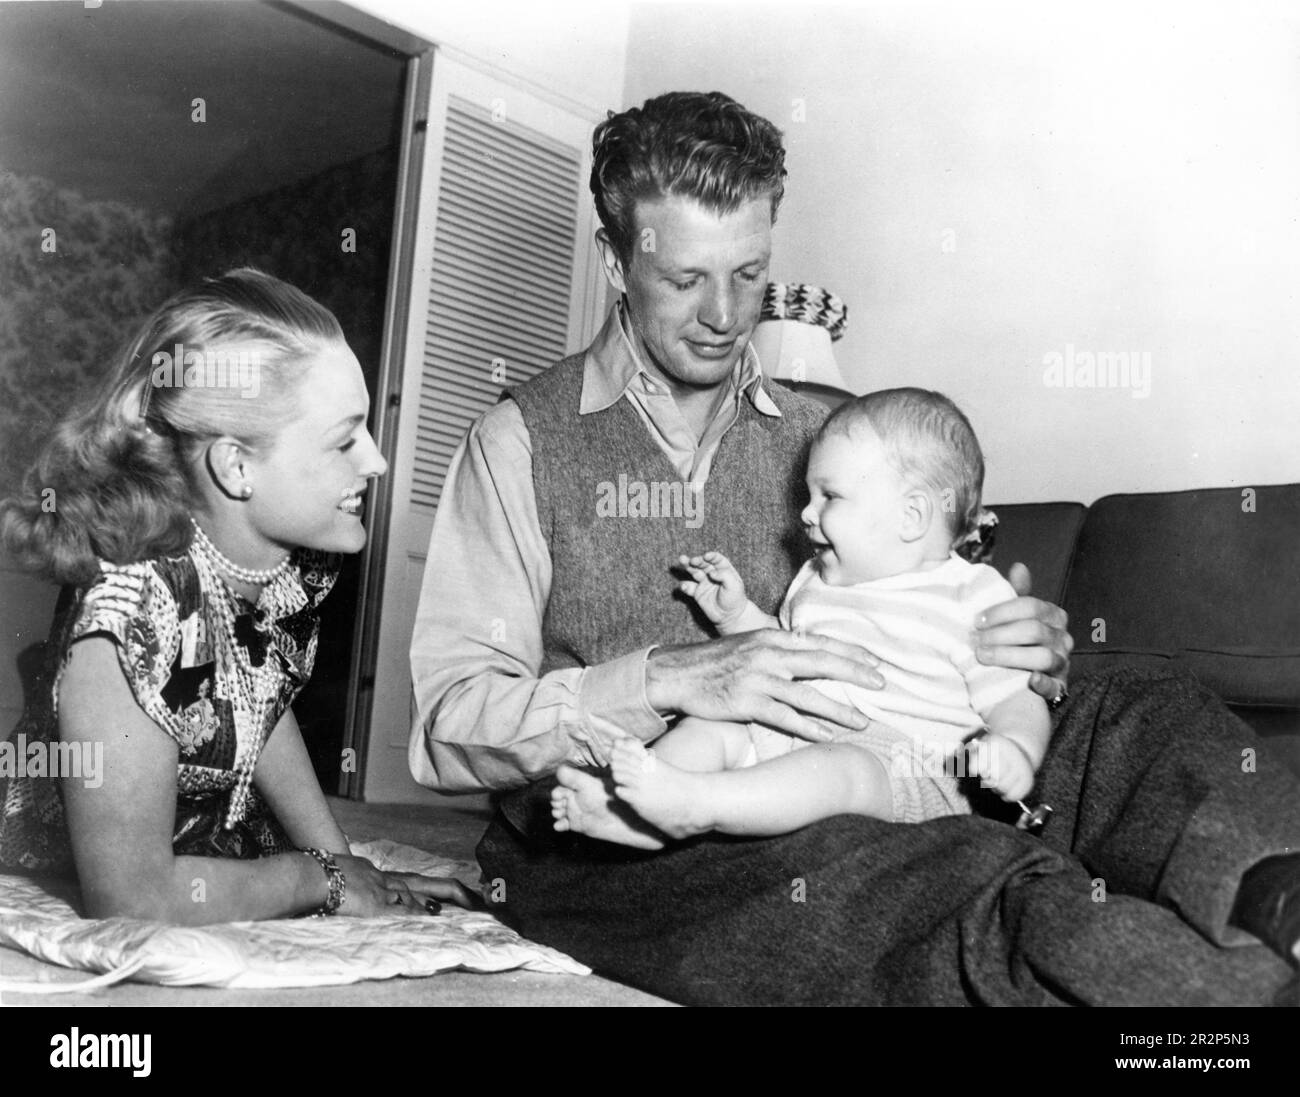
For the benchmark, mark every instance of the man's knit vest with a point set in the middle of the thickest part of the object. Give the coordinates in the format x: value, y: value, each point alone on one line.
x: 600, y: 479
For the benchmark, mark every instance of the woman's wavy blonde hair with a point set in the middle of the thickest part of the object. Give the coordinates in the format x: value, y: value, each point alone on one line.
x: 117, y: 478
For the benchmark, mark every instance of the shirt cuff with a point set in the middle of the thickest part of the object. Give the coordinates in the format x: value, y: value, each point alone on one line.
x: 614, y: 693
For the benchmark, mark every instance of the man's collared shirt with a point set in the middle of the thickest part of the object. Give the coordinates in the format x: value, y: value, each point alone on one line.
x: 614, y: 369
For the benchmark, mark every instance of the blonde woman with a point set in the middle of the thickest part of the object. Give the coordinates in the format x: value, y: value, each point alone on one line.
x: 193, y: 508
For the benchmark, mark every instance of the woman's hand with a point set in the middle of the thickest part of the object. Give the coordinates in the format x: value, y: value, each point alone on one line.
x: 410, y: 890
x: 373, y: 893
x: 366, y: 894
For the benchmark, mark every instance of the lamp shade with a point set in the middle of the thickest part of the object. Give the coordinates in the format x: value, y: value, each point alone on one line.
x: 793, y: 340
x: 791, y: 350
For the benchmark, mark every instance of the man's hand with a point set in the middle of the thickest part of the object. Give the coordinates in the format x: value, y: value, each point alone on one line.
x: 1027, y: 634
x: 755, y: 676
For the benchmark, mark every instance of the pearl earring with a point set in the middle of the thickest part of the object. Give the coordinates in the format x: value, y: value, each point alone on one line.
x: 246, y: 492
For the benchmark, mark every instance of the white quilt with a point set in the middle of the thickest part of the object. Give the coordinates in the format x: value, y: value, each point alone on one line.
x: 297, y: 952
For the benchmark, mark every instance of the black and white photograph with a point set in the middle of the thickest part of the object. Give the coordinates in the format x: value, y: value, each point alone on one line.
x: 604, y: 503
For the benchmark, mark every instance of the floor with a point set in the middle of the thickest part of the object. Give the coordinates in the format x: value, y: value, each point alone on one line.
x: 453, y: 831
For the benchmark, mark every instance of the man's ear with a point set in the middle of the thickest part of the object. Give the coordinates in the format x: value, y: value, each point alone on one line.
x: 610, y: 262
x: 227, y: 464
x: 918, y: 513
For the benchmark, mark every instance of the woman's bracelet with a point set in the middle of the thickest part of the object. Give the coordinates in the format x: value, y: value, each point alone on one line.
x: 337, y: 881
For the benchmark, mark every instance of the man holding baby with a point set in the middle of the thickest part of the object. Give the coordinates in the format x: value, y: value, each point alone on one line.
x: 549, y: 629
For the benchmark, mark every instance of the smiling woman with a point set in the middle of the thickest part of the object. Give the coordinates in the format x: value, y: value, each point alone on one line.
x: 161, y: 143
x: 194, y: 525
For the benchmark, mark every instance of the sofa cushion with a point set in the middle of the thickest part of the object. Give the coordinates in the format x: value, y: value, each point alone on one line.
x: 1041, y: 536
x: 1205, y: 580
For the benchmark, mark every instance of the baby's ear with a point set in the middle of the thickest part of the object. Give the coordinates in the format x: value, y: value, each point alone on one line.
x: 918, y: 514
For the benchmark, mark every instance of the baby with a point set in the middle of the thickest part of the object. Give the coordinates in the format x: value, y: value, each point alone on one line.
x: 895, y: 479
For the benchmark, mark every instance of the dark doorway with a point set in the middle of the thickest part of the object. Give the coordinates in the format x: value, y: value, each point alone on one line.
x: 165, y: 142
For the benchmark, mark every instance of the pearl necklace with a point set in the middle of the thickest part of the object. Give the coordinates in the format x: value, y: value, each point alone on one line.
x: 223, y: 563
x: 247, y: 688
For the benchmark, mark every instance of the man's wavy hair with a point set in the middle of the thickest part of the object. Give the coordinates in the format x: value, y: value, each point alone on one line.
x: 929, y: 441
x: 699, y: 145
x: 124, y: 465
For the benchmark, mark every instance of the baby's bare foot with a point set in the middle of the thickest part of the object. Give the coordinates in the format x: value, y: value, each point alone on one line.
x: 672, y: 799
x: 583, y: 802
x: 563, y: 801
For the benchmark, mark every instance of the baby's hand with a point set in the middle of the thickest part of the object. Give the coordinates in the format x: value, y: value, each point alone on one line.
x: 715, y: 585
x: 1001, y: 764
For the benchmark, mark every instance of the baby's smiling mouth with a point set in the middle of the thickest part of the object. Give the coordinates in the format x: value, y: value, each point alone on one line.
x: 822, y: 553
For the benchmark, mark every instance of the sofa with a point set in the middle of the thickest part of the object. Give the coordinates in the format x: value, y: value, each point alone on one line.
x: 1207, y: 581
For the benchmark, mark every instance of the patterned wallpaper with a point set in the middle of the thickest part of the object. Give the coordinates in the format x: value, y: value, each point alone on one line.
x: 63, y: 314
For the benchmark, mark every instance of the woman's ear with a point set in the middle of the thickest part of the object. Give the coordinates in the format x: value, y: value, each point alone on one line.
x: 610, y: 262
x: 228, y: 466
x: 918, y: 514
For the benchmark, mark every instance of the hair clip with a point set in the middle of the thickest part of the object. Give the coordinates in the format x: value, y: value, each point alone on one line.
x: 146, y: 394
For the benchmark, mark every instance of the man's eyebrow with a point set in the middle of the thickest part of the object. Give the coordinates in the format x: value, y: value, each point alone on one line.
x: 757, y: 261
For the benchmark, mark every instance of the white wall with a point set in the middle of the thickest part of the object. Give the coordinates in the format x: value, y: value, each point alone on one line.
x: 576, y: 48
x: 988, y: 183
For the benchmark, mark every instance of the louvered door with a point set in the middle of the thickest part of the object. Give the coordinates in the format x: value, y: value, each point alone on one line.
x: 505, y: 284
x: 502, y: 275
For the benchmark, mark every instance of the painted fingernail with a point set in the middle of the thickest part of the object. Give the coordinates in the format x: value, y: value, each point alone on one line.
x: 433, y: 906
